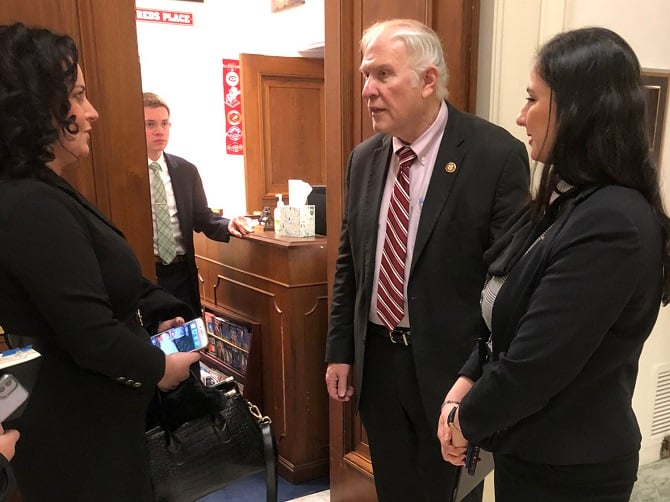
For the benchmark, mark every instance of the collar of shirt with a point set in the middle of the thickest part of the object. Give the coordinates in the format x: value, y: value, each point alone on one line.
x: 428, y: 143
x: 161, y: 161
x: 165, y: 175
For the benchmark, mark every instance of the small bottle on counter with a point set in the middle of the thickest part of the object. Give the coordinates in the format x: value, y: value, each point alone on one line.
x: 277, y: 212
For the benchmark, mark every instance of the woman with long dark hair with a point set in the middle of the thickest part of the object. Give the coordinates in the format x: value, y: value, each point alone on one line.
x: 70, y: 281
x: 574, y: 288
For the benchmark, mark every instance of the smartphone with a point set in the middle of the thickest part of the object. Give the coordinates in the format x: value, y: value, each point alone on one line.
x: 185, y: 338
x: 12, y: 395
x: 471, y: 459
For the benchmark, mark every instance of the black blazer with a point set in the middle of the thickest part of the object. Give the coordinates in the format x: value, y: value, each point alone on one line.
x: 193, y: 211
x: 462, y: 213
x: 568, y: 328
x: 69, y: 280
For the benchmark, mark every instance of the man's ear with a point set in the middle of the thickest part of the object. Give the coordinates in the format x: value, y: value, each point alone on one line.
x: 429, y: 81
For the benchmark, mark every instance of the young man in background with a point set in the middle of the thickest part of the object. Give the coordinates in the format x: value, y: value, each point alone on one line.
x: 179, y: 208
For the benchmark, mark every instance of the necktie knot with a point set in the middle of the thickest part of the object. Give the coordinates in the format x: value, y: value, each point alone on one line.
x: 155, y: 167
x: 406, y: 157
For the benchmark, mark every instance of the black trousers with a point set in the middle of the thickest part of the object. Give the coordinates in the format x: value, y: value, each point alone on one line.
x: 176, y: 279
x: 517, y: 480
x: 405, y: 451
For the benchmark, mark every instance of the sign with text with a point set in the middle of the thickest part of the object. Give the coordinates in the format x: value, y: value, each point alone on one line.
x: 232, y: 100
x: 164, y: 16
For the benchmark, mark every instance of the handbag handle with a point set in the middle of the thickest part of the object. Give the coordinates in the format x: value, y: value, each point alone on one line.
x: 7, y: 488
x: 270, y: 450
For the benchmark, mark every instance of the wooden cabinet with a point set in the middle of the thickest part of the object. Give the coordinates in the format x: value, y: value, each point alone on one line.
x: 280, y: 284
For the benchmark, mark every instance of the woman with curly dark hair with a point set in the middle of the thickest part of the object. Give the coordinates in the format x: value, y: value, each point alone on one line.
x: 70, y: 281
x: 574, y: 288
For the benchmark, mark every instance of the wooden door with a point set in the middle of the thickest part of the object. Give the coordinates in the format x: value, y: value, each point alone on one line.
x: 284, y: 125
x: 347, y: 124
x: 114, y: 177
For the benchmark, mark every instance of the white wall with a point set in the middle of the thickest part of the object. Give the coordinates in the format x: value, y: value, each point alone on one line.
x: 183, y: 65
x: 510, y: 33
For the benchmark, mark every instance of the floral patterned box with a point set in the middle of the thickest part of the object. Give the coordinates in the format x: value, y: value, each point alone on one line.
x: 296, y: 221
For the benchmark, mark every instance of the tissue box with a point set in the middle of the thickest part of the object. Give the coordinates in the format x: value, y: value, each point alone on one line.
x: 296, y: 221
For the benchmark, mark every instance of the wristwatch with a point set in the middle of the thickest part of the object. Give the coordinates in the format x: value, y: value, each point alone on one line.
x: 450, y: 419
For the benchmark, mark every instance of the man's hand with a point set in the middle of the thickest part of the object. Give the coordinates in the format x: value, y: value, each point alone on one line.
x: 239, y: 226
x: 337, y: 376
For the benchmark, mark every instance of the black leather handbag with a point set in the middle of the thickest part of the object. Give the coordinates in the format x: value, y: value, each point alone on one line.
x: 212, y: 451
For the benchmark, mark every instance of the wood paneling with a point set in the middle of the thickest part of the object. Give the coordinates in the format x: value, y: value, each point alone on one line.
x: 114, y: 177
x: 283, y: 117
x: 347, y: 124
x: 119, y: 148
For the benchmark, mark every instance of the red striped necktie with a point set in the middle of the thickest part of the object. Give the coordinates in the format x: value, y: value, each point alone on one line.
x: 390, y: 287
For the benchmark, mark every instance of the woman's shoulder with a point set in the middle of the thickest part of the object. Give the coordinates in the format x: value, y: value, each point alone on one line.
x: 25, y: 186
x: 619, y: 200
x: 619, y: 209
x: 32, y: 195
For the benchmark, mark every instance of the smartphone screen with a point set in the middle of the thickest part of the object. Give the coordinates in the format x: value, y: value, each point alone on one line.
x: 190, y: 336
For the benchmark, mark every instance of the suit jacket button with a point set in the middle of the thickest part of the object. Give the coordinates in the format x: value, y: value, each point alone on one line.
x: 130, y: 382
x: 137, y: 384
x: 121, y: 379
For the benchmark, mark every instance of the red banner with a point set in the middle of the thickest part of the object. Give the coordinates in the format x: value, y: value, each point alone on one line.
x: 232, y: 98
x: 164, y: 16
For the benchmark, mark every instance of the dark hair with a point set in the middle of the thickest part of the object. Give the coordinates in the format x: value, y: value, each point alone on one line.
x: 601, y: 129
x: 38, y: 69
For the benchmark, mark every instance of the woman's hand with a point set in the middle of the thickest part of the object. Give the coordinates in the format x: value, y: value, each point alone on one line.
x: 170, y: 323
x: 177, y: 369
x: 452, y: 441
x: 8, y: 441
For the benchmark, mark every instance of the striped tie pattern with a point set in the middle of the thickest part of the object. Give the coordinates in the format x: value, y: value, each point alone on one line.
x: 167, y: 247
x: 390, y: 287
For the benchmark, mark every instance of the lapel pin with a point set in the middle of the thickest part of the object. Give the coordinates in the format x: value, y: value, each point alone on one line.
x: 450, y: 167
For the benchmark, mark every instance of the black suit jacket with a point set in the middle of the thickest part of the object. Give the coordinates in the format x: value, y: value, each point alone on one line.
x: 568, y: 328
x: 193, y: 211
x: 462, y: 213
x: 70, y: 281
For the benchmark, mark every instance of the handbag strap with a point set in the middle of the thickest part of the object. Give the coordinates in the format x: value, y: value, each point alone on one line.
x: 269, y: 447
x: 270, y: 461
x: 7, y: 485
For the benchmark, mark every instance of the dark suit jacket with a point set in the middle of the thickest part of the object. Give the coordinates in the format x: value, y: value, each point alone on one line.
x: 69, y: 280
x: 193, y: 211
x: 568, y: 328
x: 461, y: 215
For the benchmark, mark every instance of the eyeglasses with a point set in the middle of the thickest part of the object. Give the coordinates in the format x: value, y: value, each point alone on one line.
x: 152, y: 125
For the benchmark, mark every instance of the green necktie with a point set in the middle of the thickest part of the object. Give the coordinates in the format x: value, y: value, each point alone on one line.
x: 167, y: 248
